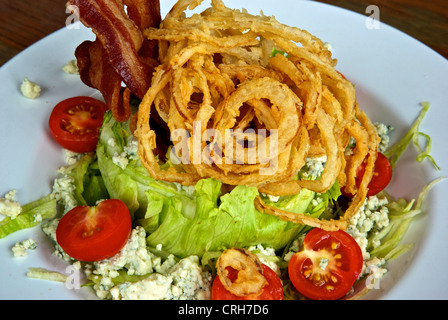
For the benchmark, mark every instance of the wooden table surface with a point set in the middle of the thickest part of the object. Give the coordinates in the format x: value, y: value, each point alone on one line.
x: 23, y: 22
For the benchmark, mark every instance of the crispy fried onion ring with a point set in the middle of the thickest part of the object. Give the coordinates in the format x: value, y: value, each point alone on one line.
x: 250, y: 279
x: 218, y: 74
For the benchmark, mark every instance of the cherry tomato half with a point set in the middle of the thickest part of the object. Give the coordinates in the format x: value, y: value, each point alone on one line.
x: 94, y: 233
x: 381, y: 176
x: 328, y: 265
x: 273, y: 291
x: 75, y: 122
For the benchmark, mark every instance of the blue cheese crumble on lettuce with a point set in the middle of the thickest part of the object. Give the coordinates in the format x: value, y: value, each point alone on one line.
x: 137, y: 273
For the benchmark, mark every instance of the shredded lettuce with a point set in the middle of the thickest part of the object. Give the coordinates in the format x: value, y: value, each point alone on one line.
x: 44, y: 274
x: 32, y: 214
x: 401, y: 214
x: 401, y: 211
x: 122, y: 277
x: 414, y: 135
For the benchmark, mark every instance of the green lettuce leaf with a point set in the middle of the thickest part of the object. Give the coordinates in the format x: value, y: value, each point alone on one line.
x: 88, y: 182
x: 213, y: 222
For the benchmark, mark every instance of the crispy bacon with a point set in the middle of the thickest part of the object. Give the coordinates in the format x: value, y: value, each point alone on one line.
x: 96, y: 72
x: 145, y: 14
x: 120, y: 53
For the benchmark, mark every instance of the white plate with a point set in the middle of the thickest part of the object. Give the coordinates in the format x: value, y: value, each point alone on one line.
x: 393, y: 74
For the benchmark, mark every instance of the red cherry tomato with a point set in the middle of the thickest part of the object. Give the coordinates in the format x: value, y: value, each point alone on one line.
x: 381, y: 176
x: 94, y: 233
x: 273, y: 291
x: 75, y: 123
x: 328, y: 265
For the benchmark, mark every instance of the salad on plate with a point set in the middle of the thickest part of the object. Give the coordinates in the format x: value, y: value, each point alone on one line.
x: 228, y: 159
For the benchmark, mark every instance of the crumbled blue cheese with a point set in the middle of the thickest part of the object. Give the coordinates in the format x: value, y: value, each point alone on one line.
x: 130, y: 152
x: 49, y: 229
x: 271, y: 197
x: 316, y: 201
x: 189, y: 280
x: 312, y: 170
x: 167, y: 280
x: 37, y: 218
x: 30, y: 89
x: 64, y: 190
x: 131, y: 148
x: 20, y: 249
x: 8, y: 206
x: 134, y: 256
x: 155, y: 287
x: 323, y: 263
x: 64, y: 186
x: 111, y: 142
x: 267, y: 256
x: 184, y: 280
x: 71, y: 67
x: 383, y: 132
x: 373, y: 216
x: 295, y: 247
x: 72, y: 157
x: 120, y: 160
x: 314, y: 167
x: 374, y: 271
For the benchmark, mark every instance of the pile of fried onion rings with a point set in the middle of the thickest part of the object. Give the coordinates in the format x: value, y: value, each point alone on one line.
x: 218, y: 70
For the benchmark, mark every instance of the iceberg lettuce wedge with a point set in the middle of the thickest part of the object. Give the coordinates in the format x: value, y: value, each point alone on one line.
x: 191, y: 221
x: 218, y: 222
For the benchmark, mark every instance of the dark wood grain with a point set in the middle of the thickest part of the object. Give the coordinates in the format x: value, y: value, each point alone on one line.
x: 424, y: 20
x: 23, y: 22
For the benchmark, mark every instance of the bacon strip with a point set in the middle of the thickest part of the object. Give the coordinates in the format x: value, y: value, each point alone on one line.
x: 120, y: 53
x: 96, y: 72
x: 145, y: 14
